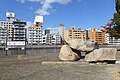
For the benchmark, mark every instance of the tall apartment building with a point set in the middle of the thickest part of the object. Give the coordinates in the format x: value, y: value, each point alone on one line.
x: 61, y: 29
x: 9, y: 29
x: 97, y: 35
x: 19, y: 31
x: 2, y: 34
x: 35, y: 31
x: 75, y: 34
x: 5, y: 28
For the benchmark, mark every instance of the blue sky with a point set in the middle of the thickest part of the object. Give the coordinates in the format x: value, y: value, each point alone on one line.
x: 82, y: 14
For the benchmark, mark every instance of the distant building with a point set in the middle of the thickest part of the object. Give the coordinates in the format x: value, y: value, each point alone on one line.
x: 12, y: 29
x: 5, y: 29
x: 2, y: 34
x: 111, y: 40
x: 44, y: 39
x: 19, y: 31
x: 61, y: 30
x: 75, y: 34
x: 35, y: 31
x: 47, y: 31
x: 56, y: 39
x: 97, y: 35
x: 49, y: 38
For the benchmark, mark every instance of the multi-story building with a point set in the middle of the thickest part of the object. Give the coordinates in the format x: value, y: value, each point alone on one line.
x: 19, y: 31
x: 12, y: 32
x: 47, y: 31
x: 44, y: 39
x: 35, y: 31
x: 111, y: 40
x: 2, y: 35
x: 75, y: 34
x: 97, y: 35
x: 49, y: 38
x: 61, y: 29
x: 56, y: 39
x: 6, y: 28
x: 9, y: 28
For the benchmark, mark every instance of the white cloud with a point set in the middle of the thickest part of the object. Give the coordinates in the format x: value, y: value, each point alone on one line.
x: 46, y: 5
x: 21, y: 1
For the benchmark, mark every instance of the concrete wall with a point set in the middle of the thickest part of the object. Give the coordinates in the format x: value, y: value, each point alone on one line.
x: 16, y: 51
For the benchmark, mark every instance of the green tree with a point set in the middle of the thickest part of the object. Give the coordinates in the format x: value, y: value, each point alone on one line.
x: 114, y: 25
x: 116, y: 20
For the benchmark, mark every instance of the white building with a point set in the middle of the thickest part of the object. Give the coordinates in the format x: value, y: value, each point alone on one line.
x: 111, y: 40
x: 44, y: 39
x: 2, y: 34
x: 35, y: 31
x: 6, y: 27
x: 61, y: 30
x: 12, y: 30
x: 56, y: 39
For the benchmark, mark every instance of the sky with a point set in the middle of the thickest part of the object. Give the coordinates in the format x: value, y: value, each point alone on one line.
x: 82, y: 14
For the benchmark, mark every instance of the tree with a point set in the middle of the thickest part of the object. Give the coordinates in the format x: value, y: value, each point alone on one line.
x: 117, y: 20
x: 113, y: 27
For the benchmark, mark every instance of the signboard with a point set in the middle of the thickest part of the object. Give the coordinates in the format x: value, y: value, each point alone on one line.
x: 16, y: 43
x: 10, y: 14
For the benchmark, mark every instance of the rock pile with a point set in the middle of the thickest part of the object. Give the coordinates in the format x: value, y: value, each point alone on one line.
x: 71, y: 51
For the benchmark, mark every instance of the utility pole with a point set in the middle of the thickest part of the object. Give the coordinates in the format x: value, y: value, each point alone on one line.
x: 6, y: 47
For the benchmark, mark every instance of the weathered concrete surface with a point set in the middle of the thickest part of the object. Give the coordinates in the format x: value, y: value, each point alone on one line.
x: 101, y: 54
x: 34, y: 70
x: 85, y: 46
x: 66, y: 53
x: 63, y: 63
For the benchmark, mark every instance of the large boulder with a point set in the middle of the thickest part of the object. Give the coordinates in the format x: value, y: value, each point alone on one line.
x: 102, y: 54
x: 84, y: 46
x: 66, y: 54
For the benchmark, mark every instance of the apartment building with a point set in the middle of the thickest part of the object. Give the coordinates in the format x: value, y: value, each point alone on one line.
x: 19, y: 31
x: 12, y: 29
x: 34, y: 34
x: 2, y: 35
x: 75, y: 34
x: 35, y: 31
x: 97, y: 35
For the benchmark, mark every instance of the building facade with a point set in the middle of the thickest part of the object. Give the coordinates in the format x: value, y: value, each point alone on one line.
x: 12, y: 29
x: 111, y: 40
x: 97, y: 35
x: 19, y: 31
x: 3, y: 35
x: 75, y: 34
x: 61, y: 30
x: 56, y: 39
x: 35, y: 31
x: 47, y: 31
